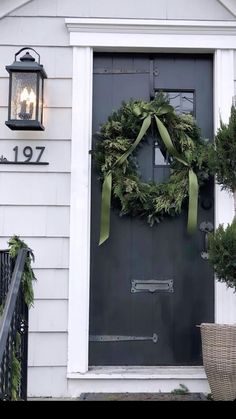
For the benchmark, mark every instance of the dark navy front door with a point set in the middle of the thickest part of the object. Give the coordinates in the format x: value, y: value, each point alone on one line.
x: 134, y: 319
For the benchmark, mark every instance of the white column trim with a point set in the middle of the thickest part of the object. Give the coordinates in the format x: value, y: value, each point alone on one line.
x: 225, y: 299
x: 109, y: 34
x: 140, y: 34
x: 79, y: 265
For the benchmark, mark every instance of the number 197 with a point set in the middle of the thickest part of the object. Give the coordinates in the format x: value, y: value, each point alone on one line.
x: 28, y: 152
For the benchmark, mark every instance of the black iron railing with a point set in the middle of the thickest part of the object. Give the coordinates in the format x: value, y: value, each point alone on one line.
x: 13, y: 328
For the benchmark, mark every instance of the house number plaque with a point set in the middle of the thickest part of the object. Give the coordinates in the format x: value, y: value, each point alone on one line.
x: 26, y: 155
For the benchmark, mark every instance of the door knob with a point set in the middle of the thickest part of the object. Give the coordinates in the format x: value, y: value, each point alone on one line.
x: 206, y: 227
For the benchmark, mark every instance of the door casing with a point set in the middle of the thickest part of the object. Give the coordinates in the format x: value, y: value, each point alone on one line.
x: 85, y: 36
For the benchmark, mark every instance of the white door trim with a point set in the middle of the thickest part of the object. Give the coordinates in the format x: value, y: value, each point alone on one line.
x: 130, y: 35
x: 79, y: 264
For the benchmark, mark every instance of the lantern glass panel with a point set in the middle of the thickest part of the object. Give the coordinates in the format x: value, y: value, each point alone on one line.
x: 40, y: 114
x: 23, y: 96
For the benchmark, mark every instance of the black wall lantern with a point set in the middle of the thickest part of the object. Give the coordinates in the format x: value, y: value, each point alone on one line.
x: 25, y: 109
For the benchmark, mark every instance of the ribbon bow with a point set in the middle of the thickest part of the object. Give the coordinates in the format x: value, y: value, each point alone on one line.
x: 107, y: 183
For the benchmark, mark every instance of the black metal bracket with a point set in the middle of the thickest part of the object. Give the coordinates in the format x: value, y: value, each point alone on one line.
x: 3, y: 160
x: 206, y: 227
x: 25, y: 163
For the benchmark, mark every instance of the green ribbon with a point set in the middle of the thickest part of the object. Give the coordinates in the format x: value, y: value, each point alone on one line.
x: 192, y: 201
x: 107, y: 183
x: 167, y: 141
x: 192, y: 178
x: 105, y: 208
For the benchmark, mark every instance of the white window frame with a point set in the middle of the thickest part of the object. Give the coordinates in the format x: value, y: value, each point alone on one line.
x: 116, y: 35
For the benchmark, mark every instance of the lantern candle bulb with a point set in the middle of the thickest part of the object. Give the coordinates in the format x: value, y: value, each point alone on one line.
x: 27, y: 103
x: 23, y: 100
x: 32, y: 101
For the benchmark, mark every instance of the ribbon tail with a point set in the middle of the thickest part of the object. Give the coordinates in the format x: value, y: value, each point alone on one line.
x: 165, y: 136
x: 107, y: 184
x: 145, y: 125
x: 105, y: 208
x: 193, y: 202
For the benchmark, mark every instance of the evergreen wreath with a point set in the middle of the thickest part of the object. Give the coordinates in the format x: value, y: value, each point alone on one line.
x: 181, y: 144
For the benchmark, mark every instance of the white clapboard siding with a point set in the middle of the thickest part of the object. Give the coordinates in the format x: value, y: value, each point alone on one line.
x: 38, y: 8
x: 34, y: 221
x: 47, y: 382
x: 49, y: 316
x: 57, y: 153
x: 34, y: 189
x: 53, y: 349
x: 57, y: 61
x: 57, y: 123
x: 57, y: 93
x: 49, y: 252
x: 154, y: 9
x: 51, y: 284
x: 25, y: 31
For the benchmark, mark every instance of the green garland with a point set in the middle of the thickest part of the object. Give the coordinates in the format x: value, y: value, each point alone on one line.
x: 180, y: 142
x: 15, y: 244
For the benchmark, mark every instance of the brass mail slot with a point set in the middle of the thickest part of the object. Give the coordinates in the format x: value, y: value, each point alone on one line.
x: 152, y: 285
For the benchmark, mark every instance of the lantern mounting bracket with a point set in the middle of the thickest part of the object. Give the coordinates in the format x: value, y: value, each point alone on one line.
x: 25, y: 49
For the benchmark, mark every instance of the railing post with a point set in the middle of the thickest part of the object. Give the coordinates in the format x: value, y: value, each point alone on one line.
x: 13, y: 328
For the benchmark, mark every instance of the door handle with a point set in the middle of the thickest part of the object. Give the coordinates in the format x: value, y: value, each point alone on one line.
x: 206, y: 227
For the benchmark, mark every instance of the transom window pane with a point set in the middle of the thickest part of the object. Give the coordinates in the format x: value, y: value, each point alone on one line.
x: 183, y: 102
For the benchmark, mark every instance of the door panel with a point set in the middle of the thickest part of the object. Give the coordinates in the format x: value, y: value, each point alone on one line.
x: 136, y: 251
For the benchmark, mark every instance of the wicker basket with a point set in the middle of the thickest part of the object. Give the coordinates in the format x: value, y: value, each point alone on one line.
x: 219, y: 359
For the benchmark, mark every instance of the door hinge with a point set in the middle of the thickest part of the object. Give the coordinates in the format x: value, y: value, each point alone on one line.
x: 121, y: 338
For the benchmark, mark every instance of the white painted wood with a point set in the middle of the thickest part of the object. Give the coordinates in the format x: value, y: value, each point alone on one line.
x: 24, y: 31
x: 230, y: 5
x: 141, y: 372
x: 80, y: 210
x: 34, y: 221
x: 53, y: 349
x: 47, y: 382
x: 8, y: 6
x: 157, y: 40
x: 36, y: 189
x: 57, y: 92
x: 171, y: 9
x: 225, y: 300
x: 57, y: 123
x: 148, y: 26
x: 138, y: 380
x: 235, y: 68
x: 126, y: 34
x: 57, y: 61
x: 132, y: 35
x: 38, y: 8
x: 49, y: 252
x: 48, y: 316
x: 158, y: 9
x: 77, y: 387
x: 56, y: 153
x: 52, y: 284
